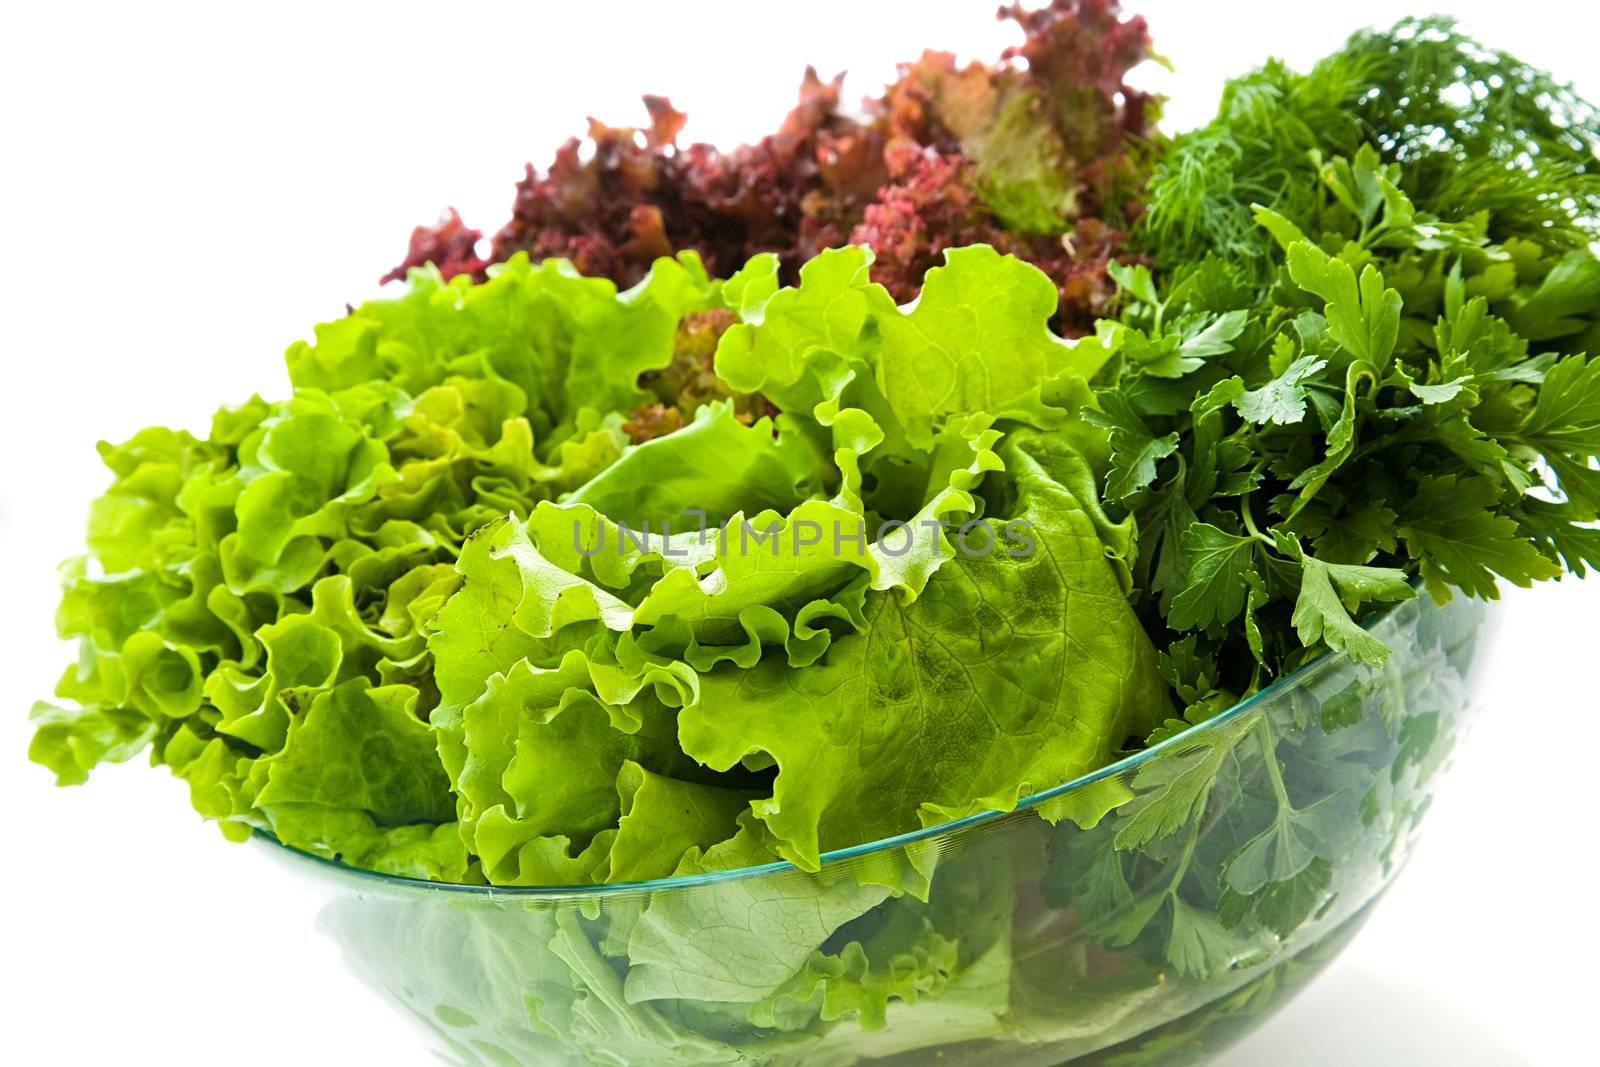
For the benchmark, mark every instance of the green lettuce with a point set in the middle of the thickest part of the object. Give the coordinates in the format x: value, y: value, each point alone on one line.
x: 437, y: 613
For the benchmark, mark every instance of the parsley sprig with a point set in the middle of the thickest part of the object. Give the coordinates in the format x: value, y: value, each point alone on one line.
x: 1363, y: 388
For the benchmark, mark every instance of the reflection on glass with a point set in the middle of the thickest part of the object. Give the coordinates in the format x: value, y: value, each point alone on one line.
x: 1145, y: 916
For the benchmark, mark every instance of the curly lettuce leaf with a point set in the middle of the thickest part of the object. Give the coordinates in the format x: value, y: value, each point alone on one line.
x: 1013, y: 673
x: 424, y: 614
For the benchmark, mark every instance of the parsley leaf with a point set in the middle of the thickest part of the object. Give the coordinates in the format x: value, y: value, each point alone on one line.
x: 1364, y: 317
x: 1331, y: 592
x: 1134, y: 450
x: 1566, y: 417
x: 1450, y: 522
x: 1216, y: 569
x: 1282, y: 400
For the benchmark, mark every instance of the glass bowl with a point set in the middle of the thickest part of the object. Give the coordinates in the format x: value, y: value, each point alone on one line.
x: 1146, y: 914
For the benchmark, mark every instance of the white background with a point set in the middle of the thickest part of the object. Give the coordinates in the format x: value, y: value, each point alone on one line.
x: 186, y: 191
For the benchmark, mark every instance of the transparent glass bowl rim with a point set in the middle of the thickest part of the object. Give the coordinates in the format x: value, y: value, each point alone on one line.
x: 882, y: 844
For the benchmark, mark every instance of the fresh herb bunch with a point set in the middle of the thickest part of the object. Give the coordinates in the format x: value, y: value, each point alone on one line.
x: 1477, y: 135
x: 1382, y: 381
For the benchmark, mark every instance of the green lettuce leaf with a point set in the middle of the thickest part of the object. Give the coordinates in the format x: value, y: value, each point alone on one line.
x: 425, y: 613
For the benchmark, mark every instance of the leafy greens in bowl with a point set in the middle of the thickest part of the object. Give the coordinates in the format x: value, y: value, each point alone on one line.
x: 437, y: 616
x: 1236, y: 860
x: 532, y: 581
